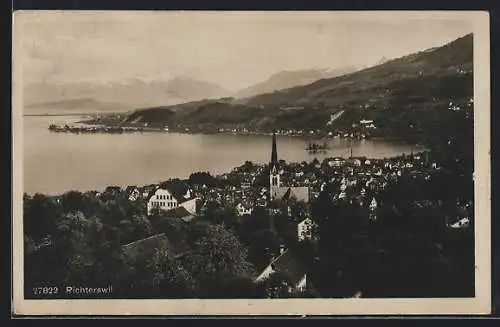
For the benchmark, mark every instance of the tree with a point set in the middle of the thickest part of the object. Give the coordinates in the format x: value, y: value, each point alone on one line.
x: 141, y: 227
x: 263, y: 245
x: 286, y: 227
x: 221, y: 215
x: 174, y: 228
x: 143, y: 275
x: 40, y: 216
x: 175, y: 185
x: 177, y: 281
x: 73, y: 201
x: 258, y: 219
x: 277, y: 285
x: 203, y: 178
x: 218, y: 255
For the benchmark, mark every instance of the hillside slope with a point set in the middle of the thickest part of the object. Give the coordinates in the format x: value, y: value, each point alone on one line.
x: 405, y: 96
x: 287, y: 79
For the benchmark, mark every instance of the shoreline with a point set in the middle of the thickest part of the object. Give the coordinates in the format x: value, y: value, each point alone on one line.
x: 91, y: 128
x: 185, y: 178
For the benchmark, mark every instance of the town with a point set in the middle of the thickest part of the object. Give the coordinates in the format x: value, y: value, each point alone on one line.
x: 271, y: 210
x: 362, y: 130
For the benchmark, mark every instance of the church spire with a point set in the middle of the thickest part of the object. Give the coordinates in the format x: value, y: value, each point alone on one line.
x: 274, y: 152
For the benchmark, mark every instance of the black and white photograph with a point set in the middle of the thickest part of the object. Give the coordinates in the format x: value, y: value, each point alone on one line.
x: 335, y: 160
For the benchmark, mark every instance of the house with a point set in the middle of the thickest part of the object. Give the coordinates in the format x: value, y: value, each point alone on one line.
x: 461, y: 219
x: 149, y: 245
x: 373, y: 209
x: 132, y: 193
x: 356, y: 162
x: 304, y: 229
x: 243, y: 209
x: 180, y: 213
x: 147, y: 190
x: 299, y: 193
x: 336, y: 162
x: 461, y: 223
x: 290, y: 266
x: 164, y: 199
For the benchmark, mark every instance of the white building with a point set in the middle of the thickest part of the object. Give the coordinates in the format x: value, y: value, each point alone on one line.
x: 373, y: 210
x: 165, y: 200
x: 336, y: 162
x: 133, y: 193
x: 461, y: 223
x: 305, y: 229
x: 243, y: 209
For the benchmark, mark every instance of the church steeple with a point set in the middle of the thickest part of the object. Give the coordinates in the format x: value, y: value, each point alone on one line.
x: 274, y: 152
x: 274, y: 177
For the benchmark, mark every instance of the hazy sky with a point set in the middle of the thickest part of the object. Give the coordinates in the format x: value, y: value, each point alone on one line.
x: 233, y: 50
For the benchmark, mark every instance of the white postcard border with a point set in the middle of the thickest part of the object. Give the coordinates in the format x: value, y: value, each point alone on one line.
x: 481, y: 304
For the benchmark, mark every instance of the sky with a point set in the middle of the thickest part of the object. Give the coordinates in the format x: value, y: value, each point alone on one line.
x: 231, y: 49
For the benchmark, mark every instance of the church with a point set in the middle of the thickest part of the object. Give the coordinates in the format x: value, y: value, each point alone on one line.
x: 280, y: 192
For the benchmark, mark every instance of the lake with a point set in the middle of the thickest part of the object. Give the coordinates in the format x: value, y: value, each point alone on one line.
x: 58, y: 162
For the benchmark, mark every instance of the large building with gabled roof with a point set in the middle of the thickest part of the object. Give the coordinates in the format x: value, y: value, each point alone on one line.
x: 166, y: 199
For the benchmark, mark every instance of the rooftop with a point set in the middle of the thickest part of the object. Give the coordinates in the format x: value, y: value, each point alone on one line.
x: 290, y: 265
x: 147, y: 246
x: 180, y: 213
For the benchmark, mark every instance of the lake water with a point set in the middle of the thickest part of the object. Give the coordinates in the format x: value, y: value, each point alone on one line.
x: 57, y: 162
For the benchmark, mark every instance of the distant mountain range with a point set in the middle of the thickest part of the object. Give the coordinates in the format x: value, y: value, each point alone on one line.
x: 410, y: 90
x: 117, y: 95
x: 81, y: 104
x: 287, y: 79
